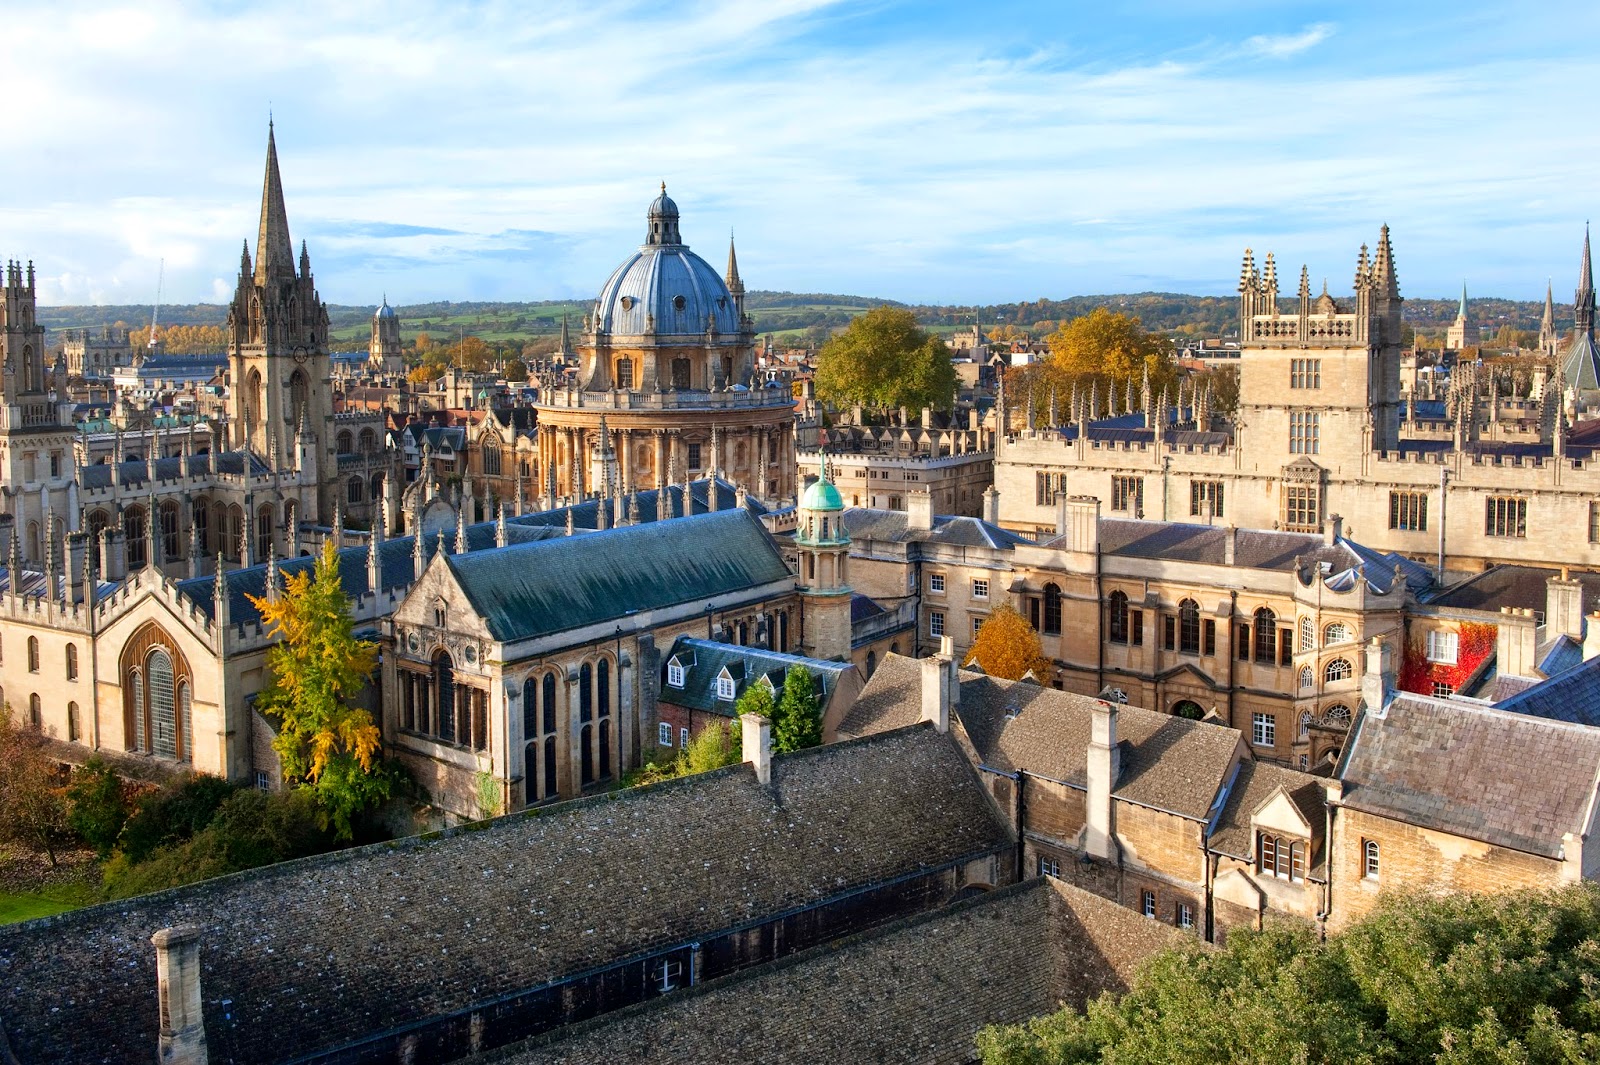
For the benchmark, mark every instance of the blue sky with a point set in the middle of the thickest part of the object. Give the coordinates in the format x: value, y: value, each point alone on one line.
x: 926, y: 151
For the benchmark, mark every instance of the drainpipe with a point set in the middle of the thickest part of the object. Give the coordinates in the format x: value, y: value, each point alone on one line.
x: 1208, y: 860
x: 1233, y: 651
x: 1444, y: 473
x: 1022, y: 813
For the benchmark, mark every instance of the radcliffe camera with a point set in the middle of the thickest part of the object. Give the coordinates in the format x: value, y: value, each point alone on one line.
x: 825, y: 532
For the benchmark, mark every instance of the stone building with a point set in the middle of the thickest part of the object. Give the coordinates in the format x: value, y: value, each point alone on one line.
x: 884, y: 466
x: 383, y: 353
x: 1323, y: 428
x: 1463, y: 332
x: 667, y: 389
x: 95, y: 353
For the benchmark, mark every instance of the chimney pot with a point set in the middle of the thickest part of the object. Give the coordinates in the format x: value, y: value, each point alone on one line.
x: 757, y: 737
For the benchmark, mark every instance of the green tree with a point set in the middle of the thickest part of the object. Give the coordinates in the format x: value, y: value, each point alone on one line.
x: 98, y: 806
x: 33, y: 804
x: 1506, y: 978
x: 883, y: 359
x: 717, y: 744
x: 757, y: 699
x: 516, y: 370
x: 1007, y: 647
x: 798, y: 723
x: 316, y: 669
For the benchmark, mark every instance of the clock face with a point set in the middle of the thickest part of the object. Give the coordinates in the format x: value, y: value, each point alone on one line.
x: 300, y: 356
x: 413, y: 642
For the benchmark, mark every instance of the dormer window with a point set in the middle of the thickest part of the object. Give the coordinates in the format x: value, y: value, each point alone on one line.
x: 1281, y: 857
x: 675, y: 673
x: 725, y: 687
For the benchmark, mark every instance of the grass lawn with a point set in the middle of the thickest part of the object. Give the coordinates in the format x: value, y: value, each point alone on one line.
x: 29, y: 888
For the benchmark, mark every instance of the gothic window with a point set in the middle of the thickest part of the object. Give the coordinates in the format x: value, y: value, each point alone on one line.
x: 252, y: 395
x: 530, y: 708
x: 355, y: 490
x: 33, y: 654
x: 133, y: 532
x: 479, y: 703
x: 300, y: 396
x: 586, y: 692
x: 35, y: 712
x: 1189, y: 627
x: 134, y: 685
x: 263, y: 531
x: 97, y: 526
x: 1266, y: 645
x: 1052, y: 609
x: 74, y: 723
x: 186, y: 721
x: 605, y: 748
x: 444, y: 684
x: 1505, y: 516
x: 549, y: 766
x: 549, y: 703
x: 367, y: 443
x: 586, y: 749
x: 161, y: 705
x: 72, y: 661
x: 377, y: 487
x: 346, y: 442
x: 603, y: 687
x: 169, y: 530
x: 1118, y: 622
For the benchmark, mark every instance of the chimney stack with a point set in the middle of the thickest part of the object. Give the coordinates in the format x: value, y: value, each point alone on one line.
x: 1104, y: 765
x: 1591, y: 637
x: 1563, y: 606
x: 1333, y: 529
x: 1230, y: 545
x: 1377, y: 680
x: 182, y: 1039
x: 936, y: 692
x: 1516, y: 643
x: 991, y: 505
x: 919, y: 510
x: 757, y: 737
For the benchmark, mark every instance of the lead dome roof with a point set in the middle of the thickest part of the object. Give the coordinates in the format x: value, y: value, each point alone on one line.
x: 664, y: 287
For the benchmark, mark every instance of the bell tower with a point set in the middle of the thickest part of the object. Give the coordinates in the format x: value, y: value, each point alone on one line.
x: 824, y: 548
x: 278, y: 361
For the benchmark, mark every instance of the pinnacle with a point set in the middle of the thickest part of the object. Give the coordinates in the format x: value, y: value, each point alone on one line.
x: 274, y: 249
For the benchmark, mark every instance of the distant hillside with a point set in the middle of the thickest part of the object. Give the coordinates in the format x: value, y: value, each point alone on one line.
x: 808, y: 315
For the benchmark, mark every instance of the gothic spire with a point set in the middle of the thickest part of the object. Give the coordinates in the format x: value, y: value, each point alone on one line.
x: 274, y: 249
x: 1383, y: 273
x: 1461, y: 313
x: 734, y: 284
x: 1583, y: 311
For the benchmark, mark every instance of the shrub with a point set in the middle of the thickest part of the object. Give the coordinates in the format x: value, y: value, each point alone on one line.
x: 173, y: 814
x: 98, y: 805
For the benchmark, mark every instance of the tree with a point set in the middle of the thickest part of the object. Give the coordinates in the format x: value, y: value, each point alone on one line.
x: 474, y: 355
x: 1224, y: 383
x: 516, y: 370
x: 718, y: 744
x: 33, y: 804
x: 98, y: 807
x: 755, y: 700
x: 1105, y: 344
x: 316, y: 668
x: 798, y: 723
x: 1454, y: 979
x: 883, y: 359
x: 1007, y: 647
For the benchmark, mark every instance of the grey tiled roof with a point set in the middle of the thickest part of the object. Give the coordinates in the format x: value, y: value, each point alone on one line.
x: 527, y: 590
x: 871, y: 523
x: 305, y: 956
x: 704, y: 661
x: 1170, y: 763
x: 1503, y: 778
x: 1520, y: 587
x: 1255, y: 784
x: 1572, y: 695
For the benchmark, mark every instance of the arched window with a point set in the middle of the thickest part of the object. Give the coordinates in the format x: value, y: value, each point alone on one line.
x: 169, y: 530
x: 1369, y: 859
x: 1337, y: 712
x: 300, y: 396
x: 74, y: 723
x: 1281, y: 857
x: 368, y: 442
x: 375, y: 487
x: 605, y: 748
x: 264, y: 532
x: 1305, y: 724
x: 549, y: 704
x: 1052, y: 609
x: 1189, y: 627
x: 603, y: 688
x: 530, y: 708
x: 1338, y: 632
x: 586, y: 747
x: 133, y: 531
x: 355, y: 490
x: 345, y: 442
x: 444, y: 686
x: 1307, y: 678
x: 586, y: 692
x: 35, y: 712
x: 97, y: 526
x: 1189, y: 709
x: 72, y: 661
x: 1117, y: 621
x: 33, y: 654
x: 1338, y: 669
x: 549, y: 767
x: 1266, y: 635
x: 1308, y: 634
x: 186, y: 721
x: 135, y: 688
x: 161, y: 705
x: 624, y: 372
x: 491, y: 458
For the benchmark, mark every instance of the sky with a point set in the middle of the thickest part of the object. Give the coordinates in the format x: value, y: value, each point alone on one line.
x: 926, y: 151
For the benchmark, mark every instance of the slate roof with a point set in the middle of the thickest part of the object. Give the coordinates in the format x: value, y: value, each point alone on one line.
x: 1572, y: 695
x: 704, y: 661
x: 1504, y: 778
x: 872, y: 523
x: 1520, y: 587
x: 445, y: 922
x: 137, y: 471
x: 528, y: 590
x: 1254, y: 785
x: 1170, y: 763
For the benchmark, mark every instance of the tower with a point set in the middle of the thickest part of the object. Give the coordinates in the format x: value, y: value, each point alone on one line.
x: 1463, y: 333
x: 383, y: 354
x: 1580, y: 365
x: 36, y: 434
x: 1547, y: 324
x: 824, y: 584
x: 277, y: 343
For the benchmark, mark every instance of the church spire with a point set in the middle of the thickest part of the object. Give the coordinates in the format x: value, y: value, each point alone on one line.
x: 1461, y: 313
x: 1583, y: 310
x: 274, y: 249
x: 1547, y: 324
x: 1383, y: 273
x: 734, y: 284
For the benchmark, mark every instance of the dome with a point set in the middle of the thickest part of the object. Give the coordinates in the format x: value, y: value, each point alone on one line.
x: 822, y: 495
x: 385, y: 311
x: 664, y: 287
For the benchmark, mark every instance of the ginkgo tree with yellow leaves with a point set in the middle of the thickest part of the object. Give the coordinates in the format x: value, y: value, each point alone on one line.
x: 1007, y: 647
x: 327, y: 743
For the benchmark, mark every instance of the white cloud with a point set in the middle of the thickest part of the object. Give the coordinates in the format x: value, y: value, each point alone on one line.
x: 1282, y: 46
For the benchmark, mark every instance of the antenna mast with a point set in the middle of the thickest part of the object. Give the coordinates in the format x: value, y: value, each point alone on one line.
x: 161, y: 276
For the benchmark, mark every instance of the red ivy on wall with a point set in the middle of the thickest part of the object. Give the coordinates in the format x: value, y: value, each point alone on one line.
x: 1475, y: 643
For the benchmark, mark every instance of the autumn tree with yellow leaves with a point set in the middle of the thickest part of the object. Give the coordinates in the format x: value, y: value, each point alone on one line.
x: 316, y: 669
x: 1007, y: 647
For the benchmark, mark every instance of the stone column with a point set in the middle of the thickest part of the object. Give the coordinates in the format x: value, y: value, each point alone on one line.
x: 182, y: 1036
x: 572, y: 751
x: 661, y: 457
x: 626, y: 725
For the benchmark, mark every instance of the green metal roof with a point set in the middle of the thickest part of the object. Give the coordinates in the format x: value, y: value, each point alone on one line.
x: 532, y: 589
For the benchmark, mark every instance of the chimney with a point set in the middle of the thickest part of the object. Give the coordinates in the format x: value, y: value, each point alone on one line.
x: 1563, y: 606
x: 1230, y: 545
x: 1080, y: 521
x: 1061, y: 513
x: 936, y: 692
x: 919, y: 510
x: 947, y: 651
x: 1591, y: 637
x: 1378, y: 678
x: 991, y: 505
x: 182, y: 1039
x: 1104, y: 765
x: 1333, y: 529
x: 1515, y: 643
x: 757, y: 737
